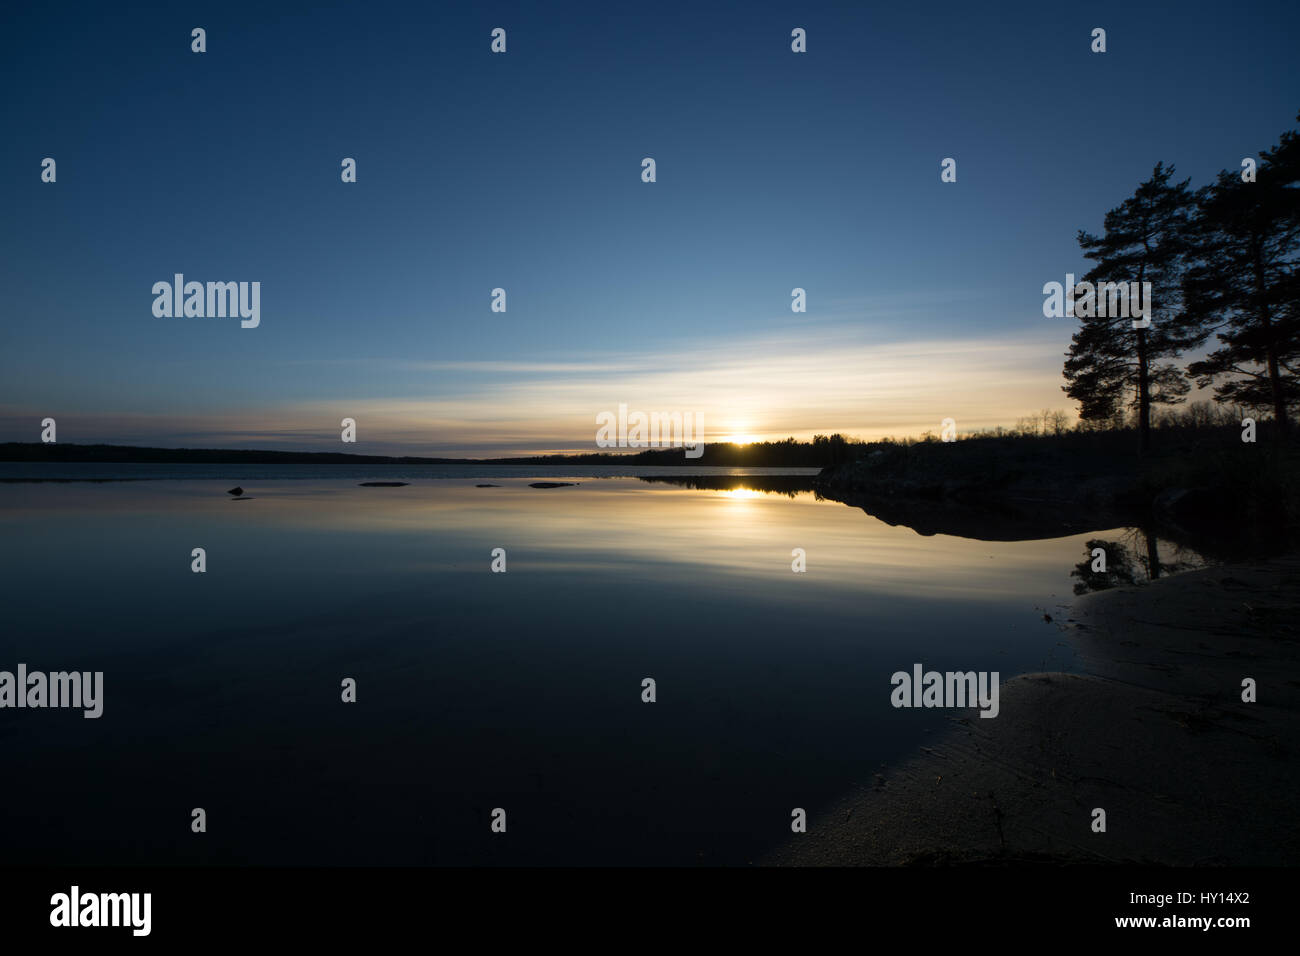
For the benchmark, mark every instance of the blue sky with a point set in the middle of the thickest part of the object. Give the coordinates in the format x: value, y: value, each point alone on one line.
x: 522, y: 171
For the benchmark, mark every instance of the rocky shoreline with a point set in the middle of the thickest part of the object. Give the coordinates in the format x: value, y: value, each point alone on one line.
x: 999, y: 492
x: 1155, y: 732
x: 1017, y: 490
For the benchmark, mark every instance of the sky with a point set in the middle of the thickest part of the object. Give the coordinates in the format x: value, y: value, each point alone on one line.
x: 522, y: 170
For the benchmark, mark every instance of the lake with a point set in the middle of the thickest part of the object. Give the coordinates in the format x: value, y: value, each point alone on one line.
x: 477, y: 690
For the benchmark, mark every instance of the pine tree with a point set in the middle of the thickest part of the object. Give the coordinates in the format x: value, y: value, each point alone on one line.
x: 1110, y: 363
x: 1244, y: 285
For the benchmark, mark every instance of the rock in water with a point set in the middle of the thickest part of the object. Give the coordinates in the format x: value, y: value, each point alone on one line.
x: 552, y: 484
x: 236, y: 491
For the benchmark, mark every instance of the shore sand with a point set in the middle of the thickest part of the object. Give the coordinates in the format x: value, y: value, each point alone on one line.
x: 1154, y: 732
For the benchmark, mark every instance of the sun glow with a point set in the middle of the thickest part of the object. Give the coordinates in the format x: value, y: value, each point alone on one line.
x: 740, y: 434
x: 741, y: 493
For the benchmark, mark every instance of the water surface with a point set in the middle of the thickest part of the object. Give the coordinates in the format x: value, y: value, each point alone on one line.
x: 478, y: 690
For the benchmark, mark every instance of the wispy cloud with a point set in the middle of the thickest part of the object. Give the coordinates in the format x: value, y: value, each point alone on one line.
x: 763, y: 387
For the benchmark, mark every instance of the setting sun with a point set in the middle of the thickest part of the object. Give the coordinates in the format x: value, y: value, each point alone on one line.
x: 739, y: 434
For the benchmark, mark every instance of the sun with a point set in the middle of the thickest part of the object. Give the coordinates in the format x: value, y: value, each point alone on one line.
x: 740, y: 434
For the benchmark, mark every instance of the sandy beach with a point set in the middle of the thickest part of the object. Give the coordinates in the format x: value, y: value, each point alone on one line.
x: 1154, y: 731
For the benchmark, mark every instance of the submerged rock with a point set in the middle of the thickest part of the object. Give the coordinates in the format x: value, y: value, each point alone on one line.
x: 487, y: 486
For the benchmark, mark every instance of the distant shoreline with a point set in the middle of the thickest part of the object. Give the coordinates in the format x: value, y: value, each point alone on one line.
x: 718, y: 455
x: 757, y: 477
x: 67, y: 453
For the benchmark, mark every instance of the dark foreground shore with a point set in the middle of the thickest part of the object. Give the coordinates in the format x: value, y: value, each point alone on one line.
x: 1154, y: 732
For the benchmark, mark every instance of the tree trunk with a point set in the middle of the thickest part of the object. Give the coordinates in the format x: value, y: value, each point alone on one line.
x: 1280, y: 414
x: 1144, y: 383
x: 1153, y: 555
x: 1144, y: 392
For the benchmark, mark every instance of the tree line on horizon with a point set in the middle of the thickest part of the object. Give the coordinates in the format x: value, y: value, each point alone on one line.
x: 1222, y: 263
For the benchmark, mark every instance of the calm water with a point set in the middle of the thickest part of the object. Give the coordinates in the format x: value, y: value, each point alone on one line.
x: 477, y: 690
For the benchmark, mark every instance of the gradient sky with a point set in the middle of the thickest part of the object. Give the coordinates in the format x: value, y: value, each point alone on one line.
x: 522, y: 170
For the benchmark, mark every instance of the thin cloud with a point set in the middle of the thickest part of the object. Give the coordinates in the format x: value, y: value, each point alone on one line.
x: 764, y: 388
